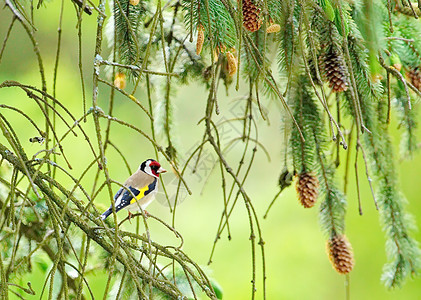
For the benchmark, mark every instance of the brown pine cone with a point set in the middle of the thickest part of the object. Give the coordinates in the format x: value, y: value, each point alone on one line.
x: 308, y: 189
x: 340, y: 254
x: 335, y: 71
x: 251, y: 16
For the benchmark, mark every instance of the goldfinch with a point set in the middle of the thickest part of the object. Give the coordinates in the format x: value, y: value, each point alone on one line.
x: 143, y: 184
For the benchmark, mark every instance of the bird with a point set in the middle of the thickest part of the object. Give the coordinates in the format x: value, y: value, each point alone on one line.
x: 143, y: 184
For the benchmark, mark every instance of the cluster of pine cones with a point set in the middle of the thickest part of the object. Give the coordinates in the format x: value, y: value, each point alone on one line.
x: 338, y: 247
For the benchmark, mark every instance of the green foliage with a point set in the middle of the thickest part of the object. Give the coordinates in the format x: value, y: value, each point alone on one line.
x: 252, y: 58
x: 328, y: 9
x: 307, y: 114
x: 327, y: 34
x: 215, y: 19
x: 287, y: 16
x: 402, y: 250
x: 309, y: 156
x: 341, y: 19
x: 127, y: 20
x: 333, y: 206
x: 407, y: 123
x: 408, y: 49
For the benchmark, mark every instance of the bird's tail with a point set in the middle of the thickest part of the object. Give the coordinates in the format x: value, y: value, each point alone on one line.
x: 107, y: 213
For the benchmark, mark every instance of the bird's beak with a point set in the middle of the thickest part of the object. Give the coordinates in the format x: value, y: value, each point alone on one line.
x: 161, y: 170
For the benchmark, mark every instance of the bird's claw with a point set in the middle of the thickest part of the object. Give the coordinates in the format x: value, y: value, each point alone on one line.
x: 130, y: 216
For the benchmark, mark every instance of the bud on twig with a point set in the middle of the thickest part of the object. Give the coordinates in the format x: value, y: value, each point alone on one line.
x: 120, y: 80
x: 200, y: 39
x: 232, y: 63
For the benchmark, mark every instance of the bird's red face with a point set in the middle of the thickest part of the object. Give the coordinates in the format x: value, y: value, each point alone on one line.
x: 156, y: 168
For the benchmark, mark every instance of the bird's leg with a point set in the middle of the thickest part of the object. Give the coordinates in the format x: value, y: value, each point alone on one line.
x: 130, y: 216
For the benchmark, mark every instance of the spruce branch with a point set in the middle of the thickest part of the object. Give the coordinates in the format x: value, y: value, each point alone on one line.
x: 401, y: 248
x: 322, y: 98
x: 332, y: 209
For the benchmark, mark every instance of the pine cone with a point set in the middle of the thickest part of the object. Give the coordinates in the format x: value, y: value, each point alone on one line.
x: 335, y: 71
x: 340, y: 254
x: 414, y: 76
x: 251, y: 16
x: 308, y: 189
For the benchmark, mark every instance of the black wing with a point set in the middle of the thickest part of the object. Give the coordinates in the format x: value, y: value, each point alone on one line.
x: 124, y: 198
x: 127, y: 197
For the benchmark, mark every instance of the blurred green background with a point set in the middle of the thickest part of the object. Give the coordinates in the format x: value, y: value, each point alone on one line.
x: 296, y: 261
